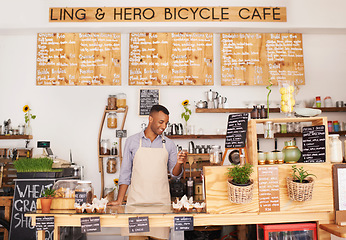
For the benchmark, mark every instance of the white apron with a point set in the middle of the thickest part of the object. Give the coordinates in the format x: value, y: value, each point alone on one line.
x: 149, y: 185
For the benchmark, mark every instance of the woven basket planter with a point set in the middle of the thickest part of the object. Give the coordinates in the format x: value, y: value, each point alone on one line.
x: 240, y: 194
x: 300, y: 191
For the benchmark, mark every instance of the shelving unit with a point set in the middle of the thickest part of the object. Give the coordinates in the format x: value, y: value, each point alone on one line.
x: 271, y: 110
x: 7, y: 137
x: 100, y: 156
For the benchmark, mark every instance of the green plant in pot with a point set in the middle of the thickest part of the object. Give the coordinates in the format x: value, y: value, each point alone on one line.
x: 240, y: 186
x: 240, y: 175
x: 46, y: 200
x: 300, y: 185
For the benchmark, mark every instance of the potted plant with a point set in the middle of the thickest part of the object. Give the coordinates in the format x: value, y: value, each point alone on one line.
x: 240, y: 186
x: 46, y: 199
x: 35, y: 168
x: 300, y: 185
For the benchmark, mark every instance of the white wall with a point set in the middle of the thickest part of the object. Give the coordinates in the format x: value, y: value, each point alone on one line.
x: 70, y: 116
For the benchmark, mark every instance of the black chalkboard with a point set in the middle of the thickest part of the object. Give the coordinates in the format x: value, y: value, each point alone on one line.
x: 44, y: 223
x: 314, y: 144
x: 138, y: 224
x: 236, y: 130
x: 24, y: 200
x: 80, y: 197
x: 90, y: 224
x: 183, y: 223
x: 148, y: 98
x: 121, y: 133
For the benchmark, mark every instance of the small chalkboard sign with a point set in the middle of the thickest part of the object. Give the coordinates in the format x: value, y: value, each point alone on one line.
x: 80, y: 197
x: 138, y: 224
x: 147, y: 99
x: 90, y: 224
x: 121, y: 133
x: 183, y: 223
x: 236, y: 130
x: 45, y: 223
x: 314, y: 144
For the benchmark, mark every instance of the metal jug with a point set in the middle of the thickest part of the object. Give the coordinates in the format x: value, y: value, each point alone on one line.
x: 174, y: 129
x: 191, y: 148
x: 180, y: 130
x: 211, y: 95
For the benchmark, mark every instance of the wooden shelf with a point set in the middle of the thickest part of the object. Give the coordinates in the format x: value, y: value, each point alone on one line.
x: 271, y: 110
x: 104, y: 156
x: 231, y: 110
x: 15, y: 136
x: 195, y: 136
x: 118, y: 111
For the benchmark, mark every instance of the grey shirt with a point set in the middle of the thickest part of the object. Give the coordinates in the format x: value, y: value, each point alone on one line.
x: 131, y: 147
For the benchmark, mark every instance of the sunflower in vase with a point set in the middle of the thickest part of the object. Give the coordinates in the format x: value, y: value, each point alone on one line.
x: 27, y: 117
x: 186, y: 113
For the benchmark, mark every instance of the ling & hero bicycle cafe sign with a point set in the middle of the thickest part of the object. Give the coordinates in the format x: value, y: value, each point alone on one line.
x: 168, y: 14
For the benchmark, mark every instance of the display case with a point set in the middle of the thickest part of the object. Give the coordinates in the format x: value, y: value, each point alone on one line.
x: 299, y: 231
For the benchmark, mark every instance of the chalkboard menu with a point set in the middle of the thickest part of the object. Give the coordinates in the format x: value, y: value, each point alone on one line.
x: 236, y: 130
x: 78, y: 59
x: 45, y: 223
x: 171, y: 59
x: 183, y: 223
x: 147, y: 99
x: 254, y: 58
x: 314, y: 144
x: 90, y: 224
x: 24, y: 200
x: 138, y: 224
x: 268, y: 189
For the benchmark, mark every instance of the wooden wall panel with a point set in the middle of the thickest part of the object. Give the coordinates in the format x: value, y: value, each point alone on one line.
x: 78, y: 59
x: 254, y: 58
x: 171, y: 59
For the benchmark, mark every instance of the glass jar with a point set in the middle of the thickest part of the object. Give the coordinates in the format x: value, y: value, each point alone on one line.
x: 111, y: 165
x: 105, y: 150
x: 112, y: 121
x: 84, y: 192
x: 21, y: 129
x: 287, y: 92
x: 112, y: 102
x: 268, y: 130
x: 65, y: 188
x: 121, y: 101
x: 335, y: 147
x: 291, y: 152
x: 215, y: 155
x: 290, y: 127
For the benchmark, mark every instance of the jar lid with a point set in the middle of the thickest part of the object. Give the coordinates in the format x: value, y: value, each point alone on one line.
x: 112, y: 96
x: 82, y: 182
x: 335, y: 122
x: 334, y: 135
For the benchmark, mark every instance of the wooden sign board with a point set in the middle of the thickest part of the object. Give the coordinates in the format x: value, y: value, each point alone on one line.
x: 147, y: 99
x: 254, y: 58
x: 314, y: 144
x: 171, y: 59
x: 236, y: 130
x: 69, y: 59
x: 168, y: 14
x: 268, y: 189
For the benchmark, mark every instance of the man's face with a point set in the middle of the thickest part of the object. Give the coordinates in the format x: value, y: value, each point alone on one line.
x: 158, y: 122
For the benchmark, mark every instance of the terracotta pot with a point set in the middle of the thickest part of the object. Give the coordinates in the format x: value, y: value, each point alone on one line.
x: 45, y: 204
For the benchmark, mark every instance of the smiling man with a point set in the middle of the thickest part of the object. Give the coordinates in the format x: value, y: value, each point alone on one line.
x: 147, y: 157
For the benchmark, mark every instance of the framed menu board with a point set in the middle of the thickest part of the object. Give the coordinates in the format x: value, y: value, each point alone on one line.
x: 147, y: 99
x: 171, y: 59
x: 254, y: 58
x: 78, y: 59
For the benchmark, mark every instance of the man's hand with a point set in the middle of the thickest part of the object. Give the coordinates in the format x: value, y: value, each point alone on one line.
x: 182, y: 157
x: 114, y: 203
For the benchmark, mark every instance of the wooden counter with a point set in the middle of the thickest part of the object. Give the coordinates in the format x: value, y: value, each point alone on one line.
x: 334, y: 229
x: 70, y: 218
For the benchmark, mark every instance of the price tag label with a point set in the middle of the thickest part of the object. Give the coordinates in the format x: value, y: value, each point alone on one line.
x: 183, y: 223
x: 90, y: 224
x: 44, y: 223
x: 121, y: 133
x: 80, y: 197
x: 138, y: 224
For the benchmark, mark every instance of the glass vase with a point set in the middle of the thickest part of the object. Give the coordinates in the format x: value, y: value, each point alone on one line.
x: 28, y: 129
x: 287, y: 90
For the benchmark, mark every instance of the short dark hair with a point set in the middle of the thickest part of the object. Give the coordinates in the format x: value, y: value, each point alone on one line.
x: 159, y: 108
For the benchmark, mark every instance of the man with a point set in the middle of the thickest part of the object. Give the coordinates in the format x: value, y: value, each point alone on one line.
x: 147, y: 157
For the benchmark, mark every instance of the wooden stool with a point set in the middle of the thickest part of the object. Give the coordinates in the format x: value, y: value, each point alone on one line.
x: 7, y: 203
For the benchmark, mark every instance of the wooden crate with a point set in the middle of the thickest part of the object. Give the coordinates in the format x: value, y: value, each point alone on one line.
x: 59, y: 203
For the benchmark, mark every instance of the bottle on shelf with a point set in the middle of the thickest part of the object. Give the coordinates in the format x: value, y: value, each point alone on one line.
x: 189, y: 187
x: 335, y: 146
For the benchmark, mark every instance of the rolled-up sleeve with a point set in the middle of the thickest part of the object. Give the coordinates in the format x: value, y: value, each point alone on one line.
x: 172, y: 158
x: 126, y: 165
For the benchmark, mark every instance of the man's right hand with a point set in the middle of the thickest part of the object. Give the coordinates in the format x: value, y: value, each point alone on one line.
x: 114, y: 203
